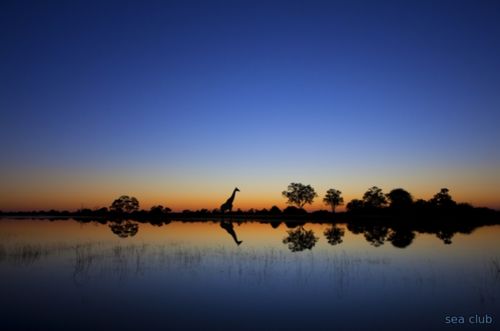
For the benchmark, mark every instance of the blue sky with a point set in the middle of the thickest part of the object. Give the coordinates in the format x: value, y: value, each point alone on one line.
x: 160, y: 97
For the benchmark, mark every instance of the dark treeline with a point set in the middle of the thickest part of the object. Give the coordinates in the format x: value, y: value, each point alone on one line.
x: 398, y: 206
x: 394, y: 217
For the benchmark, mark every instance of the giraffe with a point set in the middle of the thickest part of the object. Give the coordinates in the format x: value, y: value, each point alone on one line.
x: 228, y: 205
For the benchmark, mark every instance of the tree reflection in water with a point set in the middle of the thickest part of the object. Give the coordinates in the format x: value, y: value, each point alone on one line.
x: 334, y: 235
x: 445, y: 236
x: 401, y: 238
x: 124, y: 229
x: 300, y: 239
x: 376, y: 234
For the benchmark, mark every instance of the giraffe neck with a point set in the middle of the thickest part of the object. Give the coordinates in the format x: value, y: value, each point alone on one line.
x: 231, y: 198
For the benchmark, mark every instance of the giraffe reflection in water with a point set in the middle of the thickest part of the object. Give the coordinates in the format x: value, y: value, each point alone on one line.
x: 228, y: 226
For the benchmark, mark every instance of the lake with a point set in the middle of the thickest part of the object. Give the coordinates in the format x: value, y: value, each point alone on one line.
x: 67, y: 274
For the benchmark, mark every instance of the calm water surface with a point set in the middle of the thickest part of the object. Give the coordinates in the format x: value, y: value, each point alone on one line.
x: 195, y: 275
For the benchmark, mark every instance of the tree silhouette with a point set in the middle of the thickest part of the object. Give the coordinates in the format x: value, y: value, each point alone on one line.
x: 291, y: 210
x: 374, y: 198
x: 443, y: 199
x: 354, y: 205
x: 274, y: 210
x: 300, y: 239
x: 299, y: 194
x: 158, y: 211
x: 125, y: 204
x: 400, y: 198
x: 334, y: 235
x: 333, y: 198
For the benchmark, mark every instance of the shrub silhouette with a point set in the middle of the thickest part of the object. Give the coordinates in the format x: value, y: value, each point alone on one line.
x: 291, y: 210
x: 274, y: 210
x: 159, y: 211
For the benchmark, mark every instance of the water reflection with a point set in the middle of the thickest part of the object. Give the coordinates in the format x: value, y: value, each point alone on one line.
x: 445, y: 235
x: 124, y: 229
x: 375, y: 234
x: 300, y: 239
x: 399, y: 234
x: 26, y: 254
x: 275, y: 224
x: 401, y: 237
x: 334, y: 235
x: 495, y: 267
x: 84, y: 259
x: 182, y: 276
x: 228, y: 226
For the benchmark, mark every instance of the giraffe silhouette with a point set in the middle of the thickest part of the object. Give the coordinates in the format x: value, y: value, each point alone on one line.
x: 228, y: 226
x: 228, y: 205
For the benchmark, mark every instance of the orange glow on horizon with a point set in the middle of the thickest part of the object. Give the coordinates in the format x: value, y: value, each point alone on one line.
x: 200, y: 202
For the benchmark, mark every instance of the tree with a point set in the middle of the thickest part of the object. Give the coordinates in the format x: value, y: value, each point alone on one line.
x: 125, y: 204
x: 399, y: 198
x: 374, y: 198
x: 333, y: 198
x: 354, y: 205
x: 299, y: 194
x: 443, y: 199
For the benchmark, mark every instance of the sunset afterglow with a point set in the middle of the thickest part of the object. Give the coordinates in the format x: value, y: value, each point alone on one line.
x: 177, y: 104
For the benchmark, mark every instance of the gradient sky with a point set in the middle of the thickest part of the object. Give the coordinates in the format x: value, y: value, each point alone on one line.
x: 179, y: 102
